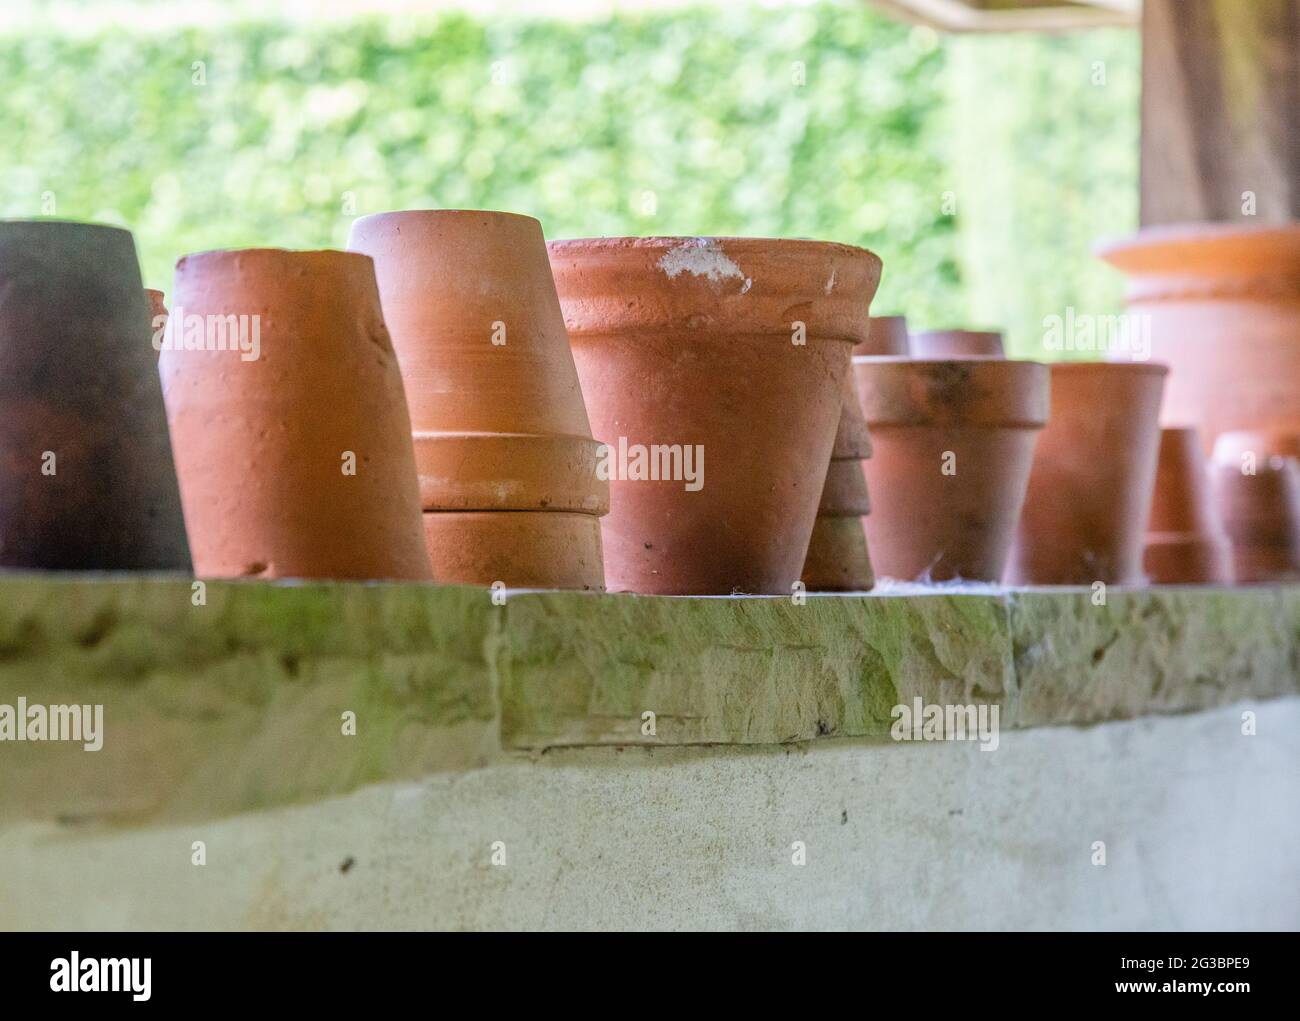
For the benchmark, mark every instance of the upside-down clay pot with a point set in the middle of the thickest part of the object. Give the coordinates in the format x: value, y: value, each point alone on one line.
x: 837, y: 559
x: 1185, y: 541
x: 157, y: 317
x: 497, y: 409
x: 957, y: 344
x: 886, y: 335
x: 1089, y: 497
x: 952, y: 445
x: 499, y: 418
x: 293, y: 443
x: 1222, y: 303
x: 1257, y: 487
x: 735, y: 348
x: 87, y: 481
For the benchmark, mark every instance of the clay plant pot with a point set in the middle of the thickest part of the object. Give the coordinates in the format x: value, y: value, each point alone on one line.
x: 1222, y: 305
x: 1185, y: 541
x: 1257, y: 487
x: 953, y: 441
x: 1089, y: 497
x: 837, y: 559
x: 157, y: 317
x: 518, y: 549
x: 292, y: 437
x: 498, y: 413
x: 886, y: 335
x: 86, y: 475
x: 704, y: 344
x: 957, y: 344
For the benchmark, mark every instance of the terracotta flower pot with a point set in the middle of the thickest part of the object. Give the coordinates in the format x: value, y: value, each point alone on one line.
x: 293, y: 442
x: 952, y: 442
x: 886, y: 335
x: 1223, y: 302
x: 1185, y: 541
x: 957, y: 344
x: 519, y: 549
x: 703, y: 344
x: 837, y: 559
x: 86, y: 475
x: 1089, y: 495
x: 1257, y: 486
x: 499, y: 417
x: 157, y: 317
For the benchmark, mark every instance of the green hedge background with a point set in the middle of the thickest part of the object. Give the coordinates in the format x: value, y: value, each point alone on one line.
x: 981, y: 169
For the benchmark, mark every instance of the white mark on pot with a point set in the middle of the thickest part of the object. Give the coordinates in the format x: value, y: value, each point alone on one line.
x: 702, y: 257
x: 831, y: 282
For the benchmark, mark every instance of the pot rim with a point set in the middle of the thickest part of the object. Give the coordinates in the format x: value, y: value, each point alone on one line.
x: 1162, y: 248
x: 58, y: 223
x: 997, y: 404
x: 1083, y: 368
x: 564, y: 246
x: 395, y: 214
x: 325, y: 256
x: 960, y: 331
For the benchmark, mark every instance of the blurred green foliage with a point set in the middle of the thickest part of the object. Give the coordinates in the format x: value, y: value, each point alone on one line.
x: 827, y: 121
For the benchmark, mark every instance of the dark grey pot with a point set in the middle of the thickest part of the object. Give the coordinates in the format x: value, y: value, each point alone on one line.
x: 79, y: 394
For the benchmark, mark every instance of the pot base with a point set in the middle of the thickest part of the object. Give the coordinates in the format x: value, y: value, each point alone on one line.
x: 520, y: 549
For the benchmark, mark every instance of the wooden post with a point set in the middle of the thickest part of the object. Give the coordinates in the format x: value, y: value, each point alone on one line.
x: 1220, y: 110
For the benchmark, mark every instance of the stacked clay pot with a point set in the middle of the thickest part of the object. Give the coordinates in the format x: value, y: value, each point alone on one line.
x: 957, y: 344
x: 1223, y: 306
x: 733, y: 347
x: 837, y: 559
x: 1089, y: 497
x: 953, y: 441
x: 290, y: 426
x: 886, y: 335
x: 1257, y: 486
x: 508, y: 467
x: 86, y: 475
x: 1185, y: 541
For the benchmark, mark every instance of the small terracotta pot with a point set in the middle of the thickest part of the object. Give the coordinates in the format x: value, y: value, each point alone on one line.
x: 86, y: 475
x: 157, y: 317
x: 1221, y: 303
x: 519, y: 549
x: 838, y: 559
x: 294, y: 445
x: 1089, y: 497
x: 852, y: 440
x: 957, y: 344
x: 952, y: 442
x: 1185, y: 541
x: 886, y: 335
x: 845, y: 493
x: 1257, y: 487
x: 703, y: 344
x: 499, y: 417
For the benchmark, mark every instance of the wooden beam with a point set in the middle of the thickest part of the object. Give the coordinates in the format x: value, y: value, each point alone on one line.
x: 1220, y: 110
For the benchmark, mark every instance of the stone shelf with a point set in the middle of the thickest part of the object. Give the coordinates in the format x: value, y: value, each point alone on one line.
x: 237, y: 704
